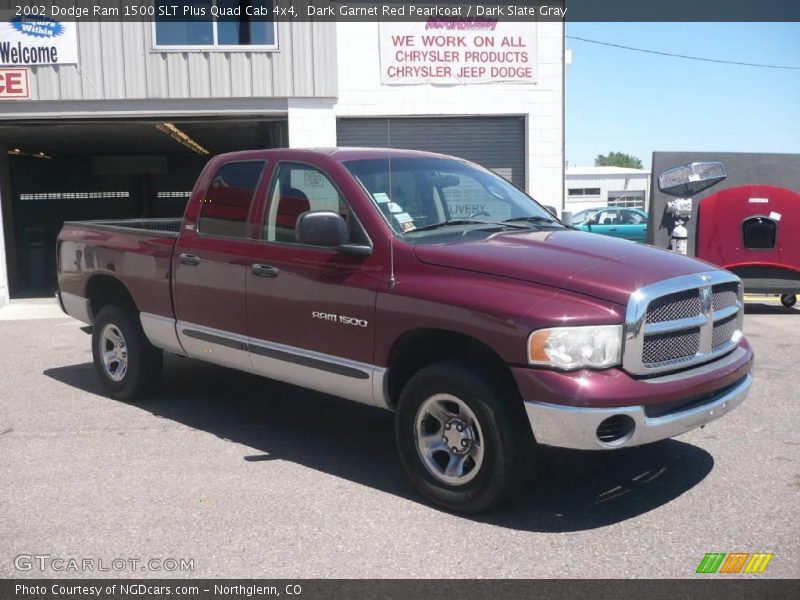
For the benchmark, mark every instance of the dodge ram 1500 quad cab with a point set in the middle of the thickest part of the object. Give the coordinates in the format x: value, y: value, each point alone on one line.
x: 422, y: 284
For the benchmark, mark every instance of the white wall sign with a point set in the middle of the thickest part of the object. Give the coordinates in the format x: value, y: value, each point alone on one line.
x: 31, y: 41
x: 458, y: 52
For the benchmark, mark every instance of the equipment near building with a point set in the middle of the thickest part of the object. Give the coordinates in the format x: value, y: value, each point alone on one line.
x: 749, y: 223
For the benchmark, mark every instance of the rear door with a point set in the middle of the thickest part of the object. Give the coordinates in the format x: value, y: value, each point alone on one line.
x: 603, y: 222
x: 212, y: 259
x: 311, y: 310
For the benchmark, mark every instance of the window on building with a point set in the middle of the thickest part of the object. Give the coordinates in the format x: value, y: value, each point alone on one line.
x: 583, y: 191
x: 226, y: 205
x: 627, y: 198
x: 223, y: 24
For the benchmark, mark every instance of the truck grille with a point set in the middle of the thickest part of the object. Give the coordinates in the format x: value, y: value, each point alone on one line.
x: 675, y: 306
x: 675, y: 345
x: 682, y: 322
x: 723, y: 331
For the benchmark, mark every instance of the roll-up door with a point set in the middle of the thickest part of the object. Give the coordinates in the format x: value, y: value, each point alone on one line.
x: 497, y: 143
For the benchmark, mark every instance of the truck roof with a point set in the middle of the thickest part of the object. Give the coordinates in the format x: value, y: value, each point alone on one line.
x: 342, y: 154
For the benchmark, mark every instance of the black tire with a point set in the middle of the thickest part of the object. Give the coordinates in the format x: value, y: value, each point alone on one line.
x: 788, y: 300
x: 142, y: 374
x: 502, y: 422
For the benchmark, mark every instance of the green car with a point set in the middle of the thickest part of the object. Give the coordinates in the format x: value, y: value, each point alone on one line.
x: 627, y: 223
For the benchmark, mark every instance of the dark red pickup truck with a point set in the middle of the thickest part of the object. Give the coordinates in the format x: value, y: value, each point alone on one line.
x: 422, y: 284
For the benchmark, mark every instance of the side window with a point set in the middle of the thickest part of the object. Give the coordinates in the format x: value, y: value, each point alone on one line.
x: 631, y: 217
x: 606, y: 217
x: 296, y: 189
x: 227, y: 201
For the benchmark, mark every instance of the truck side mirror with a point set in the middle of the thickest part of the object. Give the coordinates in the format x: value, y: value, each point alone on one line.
x: 687, y: 180
x: 328, y: 229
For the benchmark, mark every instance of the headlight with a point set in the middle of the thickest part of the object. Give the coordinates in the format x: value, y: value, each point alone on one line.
x: 596, y: 347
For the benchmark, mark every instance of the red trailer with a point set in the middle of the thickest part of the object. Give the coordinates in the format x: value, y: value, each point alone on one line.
x: 754, y: 231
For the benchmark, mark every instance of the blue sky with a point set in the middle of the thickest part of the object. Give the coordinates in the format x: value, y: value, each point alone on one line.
x: 637, y: 103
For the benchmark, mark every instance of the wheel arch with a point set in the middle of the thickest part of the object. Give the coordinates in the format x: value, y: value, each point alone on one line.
x: 418, y: 348
x: 103, y: 289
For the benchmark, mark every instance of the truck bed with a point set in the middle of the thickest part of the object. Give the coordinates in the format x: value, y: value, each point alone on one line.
x: 135, y: 252
x: 160, y: 227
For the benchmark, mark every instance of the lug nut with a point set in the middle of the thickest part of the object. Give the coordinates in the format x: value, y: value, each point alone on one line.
x: 464, y: 443
x: 454, y: 449
x: 460, y: 428
x: 448, y: 426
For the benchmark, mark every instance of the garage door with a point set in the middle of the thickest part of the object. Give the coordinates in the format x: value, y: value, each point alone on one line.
x: 497, y: 143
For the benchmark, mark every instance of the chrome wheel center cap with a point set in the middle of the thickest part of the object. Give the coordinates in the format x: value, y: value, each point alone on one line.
x: 457, y: 436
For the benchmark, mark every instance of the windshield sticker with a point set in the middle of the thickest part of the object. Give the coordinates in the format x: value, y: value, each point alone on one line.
x: 381, y: 198
x: 405, y: 221
x: 395, y: 208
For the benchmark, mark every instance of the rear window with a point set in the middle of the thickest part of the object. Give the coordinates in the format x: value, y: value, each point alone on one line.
x: 226, y: 204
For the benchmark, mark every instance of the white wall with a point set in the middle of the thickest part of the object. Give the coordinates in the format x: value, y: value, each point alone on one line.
x: 606, y: 183
x: 361, y: 94
x: 312, y: 123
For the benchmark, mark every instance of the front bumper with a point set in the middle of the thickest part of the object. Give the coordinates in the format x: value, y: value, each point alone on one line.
x: 566, y: 409
x: 574, y: 427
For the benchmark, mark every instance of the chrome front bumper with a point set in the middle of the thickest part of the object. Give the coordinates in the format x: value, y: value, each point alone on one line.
x: 575, y: 427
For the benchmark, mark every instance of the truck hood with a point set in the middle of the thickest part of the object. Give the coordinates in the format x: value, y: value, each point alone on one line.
x: 591, y: 264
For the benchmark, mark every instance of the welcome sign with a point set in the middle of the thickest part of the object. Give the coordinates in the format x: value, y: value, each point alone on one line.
x: 31, y: 41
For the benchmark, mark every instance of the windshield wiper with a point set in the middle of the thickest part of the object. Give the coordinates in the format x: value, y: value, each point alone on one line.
x: 534, y: 219
x: 464, y: 222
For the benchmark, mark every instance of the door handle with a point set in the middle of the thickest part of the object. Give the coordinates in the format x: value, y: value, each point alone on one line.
x: 189, y: 259
x: 613, y: 229
x: 264, y: 271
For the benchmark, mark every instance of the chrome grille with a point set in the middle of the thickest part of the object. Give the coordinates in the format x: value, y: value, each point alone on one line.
x: 725, y: 295
x: 723, y: 331
x: 675, y: 306
x: 675, y: 345
x: 681, y: 322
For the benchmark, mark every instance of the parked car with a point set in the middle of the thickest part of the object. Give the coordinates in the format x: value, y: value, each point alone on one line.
x: 580, y: 216
x: 422, y: 284
x: 626, y: 223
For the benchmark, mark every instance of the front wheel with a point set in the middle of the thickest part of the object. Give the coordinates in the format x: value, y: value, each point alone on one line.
x: 126, y: 363
x: 788, y: 300
x: 463, y: 438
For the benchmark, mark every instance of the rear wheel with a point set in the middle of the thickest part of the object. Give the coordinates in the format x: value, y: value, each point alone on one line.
x: 788, y: 300
x: 463, y: 440
x: 128, y: 365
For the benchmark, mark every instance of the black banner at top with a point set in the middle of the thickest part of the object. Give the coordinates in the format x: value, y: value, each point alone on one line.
x: 447, y: 11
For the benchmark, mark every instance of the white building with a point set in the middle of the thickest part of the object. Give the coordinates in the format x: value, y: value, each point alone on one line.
x: 114, y: 120
x: 588, y: 187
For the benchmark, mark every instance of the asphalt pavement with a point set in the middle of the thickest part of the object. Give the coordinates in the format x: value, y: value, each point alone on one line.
x: 237, y: 476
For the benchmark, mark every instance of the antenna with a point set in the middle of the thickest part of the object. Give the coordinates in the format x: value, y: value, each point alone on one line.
x: 392, y: 280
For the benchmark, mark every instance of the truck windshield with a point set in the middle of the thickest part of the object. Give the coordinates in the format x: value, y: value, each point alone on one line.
x: 417, y: 195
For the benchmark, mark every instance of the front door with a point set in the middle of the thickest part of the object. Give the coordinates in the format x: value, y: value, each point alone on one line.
x: 311, y: 310
x: 211, y: 265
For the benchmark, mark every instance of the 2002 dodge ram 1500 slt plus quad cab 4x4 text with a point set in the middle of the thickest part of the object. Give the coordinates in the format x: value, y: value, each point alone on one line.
x: 422, y: 284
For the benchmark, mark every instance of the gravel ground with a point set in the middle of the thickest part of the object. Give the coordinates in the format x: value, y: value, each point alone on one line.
x: 248, y: 477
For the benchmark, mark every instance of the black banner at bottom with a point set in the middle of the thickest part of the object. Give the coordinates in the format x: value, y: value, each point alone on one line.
x: 461, y: 589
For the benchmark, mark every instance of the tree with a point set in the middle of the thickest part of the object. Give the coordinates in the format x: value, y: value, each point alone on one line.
x: 617, y: 159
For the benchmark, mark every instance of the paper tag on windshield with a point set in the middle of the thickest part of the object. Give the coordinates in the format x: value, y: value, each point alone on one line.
x: 395, y: 208
x: 381, y: 198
